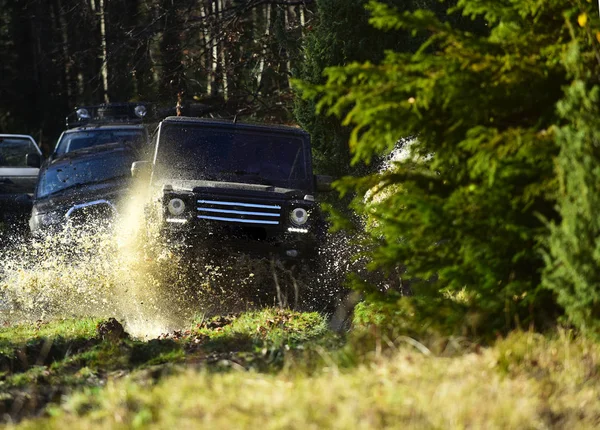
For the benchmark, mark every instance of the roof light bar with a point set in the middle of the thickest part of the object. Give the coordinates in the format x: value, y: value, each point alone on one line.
x: 108, y: 113
x: 82, y: 114
x: 140, y: 111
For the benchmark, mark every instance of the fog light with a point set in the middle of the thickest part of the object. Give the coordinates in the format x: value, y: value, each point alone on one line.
x: 176, y: 207
x: 291, y: 253
x: 177, y: 220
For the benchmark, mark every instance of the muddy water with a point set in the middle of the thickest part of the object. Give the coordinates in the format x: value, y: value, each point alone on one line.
x: 127, y: 273
x: 123, y: 272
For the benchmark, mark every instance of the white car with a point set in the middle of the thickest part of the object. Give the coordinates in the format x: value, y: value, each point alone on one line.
x: 20, y: 159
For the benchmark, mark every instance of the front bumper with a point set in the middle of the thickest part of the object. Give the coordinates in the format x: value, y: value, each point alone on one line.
x: 83, y: 217
x: 226, y: 239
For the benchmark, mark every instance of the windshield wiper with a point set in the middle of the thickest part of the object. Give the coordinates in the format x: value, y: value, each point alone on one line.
x: 239, y: 172
x: 255, y: 176
x: 112, y: 178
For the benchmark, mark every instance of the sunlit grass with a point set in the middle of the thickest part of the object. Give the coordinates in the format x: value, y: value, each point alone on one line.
x: 524, y: 381
x: 17, y: 335
x: 282, y: 369
x: 271, y: 326
x: 41, y: 362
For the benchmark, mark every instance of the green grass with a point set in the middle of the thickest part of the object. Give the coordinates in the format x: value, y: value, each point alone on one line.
x: 16, y: 336
x: 43, y: 361
x: 270, y: 328
x: 524, y: 381
x: 283, y: 369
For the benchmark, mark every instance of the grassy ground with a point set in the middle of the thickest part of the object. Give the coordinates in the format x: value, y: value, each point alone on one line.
x: 41, y: 363
x: 281, y: 369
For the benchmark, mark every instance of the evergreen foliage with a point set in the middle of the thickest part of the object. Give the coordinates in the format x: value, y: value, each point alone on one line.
x: 342, y: 34
x: 573, y: 259
x: 473, y: 204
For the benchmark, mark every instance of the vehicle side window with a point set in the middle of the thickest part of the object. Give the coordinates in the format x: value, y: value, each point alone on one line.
x: 13, y: 151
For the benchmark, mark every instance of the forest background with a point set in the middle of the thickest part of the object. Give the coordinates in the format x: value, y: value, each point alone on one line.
x: 227, y: 57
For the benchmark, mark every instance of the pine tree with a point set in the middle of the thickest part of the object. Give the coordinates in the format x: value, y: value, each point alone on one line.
x: 573, y: 270
x: 341, y: 35
x: 475, y: 210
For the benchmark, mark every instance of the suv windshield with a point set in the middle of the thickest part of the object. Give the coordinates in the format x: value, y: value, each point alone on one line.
x: 248, y: 156
x: 72, y: 174
x: 13, y: 151
x: 87, y: 138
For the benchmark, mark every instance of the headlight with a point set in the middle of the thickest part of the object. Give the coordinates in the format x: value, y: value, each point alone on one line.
x: 298, y: 216
x: 176, y: 207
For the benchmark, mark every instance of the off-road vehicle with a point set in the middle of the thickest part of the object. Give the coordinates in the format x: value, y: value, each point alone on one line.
x: 84, y: 188
x: 227, y: 186
x: 89, y: 126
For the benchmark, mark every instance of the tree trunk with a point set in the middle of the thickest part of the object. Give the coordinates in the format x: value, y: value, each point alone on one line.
x: 264, y: 53
x: 65, y: 49
x: 223, y: 57
x: 205, y: 11
x: 104, y: 69
x: 214, y: 57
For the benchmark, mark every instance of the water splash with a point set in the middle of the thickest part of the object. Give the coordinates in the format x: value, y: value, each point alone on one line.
x: 127, y: 272
x: 98, y: 272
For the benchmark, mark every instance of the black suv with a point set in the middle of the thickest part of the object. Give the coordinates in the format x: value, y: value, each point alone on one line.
x: 20, y: 159
x: 87, y: 186
x: 230, y: 186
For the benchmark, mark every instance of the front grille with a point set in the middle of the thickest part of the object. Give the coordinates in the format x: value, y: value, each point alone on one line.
x: 97, y: 214
x: 239, y: 212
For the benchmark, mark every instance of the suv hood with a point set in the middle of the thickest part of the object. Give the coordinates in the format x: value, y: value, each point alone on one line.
x: 113, y: 192
x: 221, y: 187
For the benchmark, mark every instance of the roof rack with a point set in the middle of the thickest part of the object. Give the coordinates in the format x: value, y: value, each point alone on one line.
x: 130, y: 112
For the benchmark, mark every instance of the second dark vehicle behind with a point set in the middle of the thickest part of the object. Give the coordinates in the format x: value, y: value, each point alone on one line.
x: 87, y: 186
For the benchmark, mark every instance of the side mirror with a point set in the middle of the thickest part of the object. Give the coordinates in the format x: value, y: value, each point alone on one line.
x: 323, y: 183
x: 141, y: 169
x: 33, y: 160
